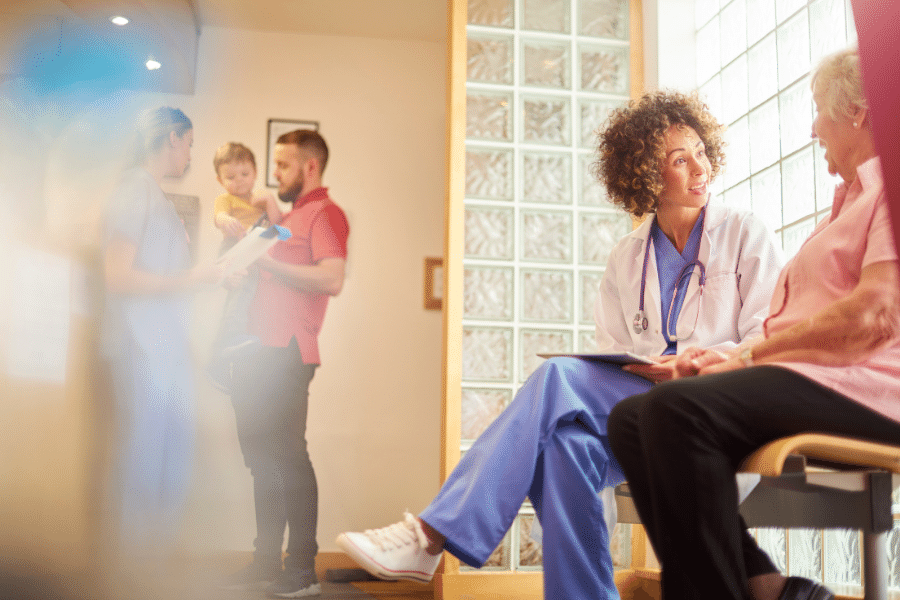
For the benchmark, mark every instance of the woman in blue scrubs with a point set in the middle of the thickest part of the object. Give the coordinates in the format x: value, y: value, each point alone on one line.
x: 148, y: 278
x: 694, y: 273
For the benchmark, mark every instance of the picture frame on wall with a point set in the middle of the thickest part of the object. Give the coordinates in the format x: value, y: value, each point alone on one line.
x: 434, y: 283
x: 275, y: 129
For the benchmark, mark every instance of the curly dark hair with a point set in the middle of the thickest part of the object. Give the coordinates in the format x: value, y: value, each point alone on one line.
x: 632, y: 148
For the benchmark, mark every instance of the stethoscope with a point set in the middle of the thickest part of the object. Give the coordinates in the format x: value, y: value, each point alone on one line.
x: 640, y: 322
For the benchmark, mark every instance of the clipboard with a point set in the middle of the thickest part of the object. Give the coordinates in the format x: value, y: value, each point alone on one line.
x: 250, y: 247
x: 616, y: 358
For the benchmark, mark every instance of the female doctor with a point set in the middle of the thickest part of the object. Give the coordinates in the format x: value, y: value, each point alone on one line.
x: 717, y: 264
x: 693, y: 274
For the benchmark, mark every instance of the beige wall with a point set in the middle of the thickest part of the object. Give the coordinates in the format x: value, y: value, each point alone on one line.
x: 375, y: 403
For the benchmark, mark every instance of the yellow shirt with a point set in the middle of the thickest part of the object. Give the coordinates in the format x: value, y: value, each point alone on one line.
x: 238, y: 208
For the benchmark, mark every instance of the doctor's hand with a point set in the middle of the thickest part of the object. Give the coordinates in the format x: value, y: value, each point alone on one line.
x: 663, y: 370
x: 203, y: 276
x: 687, y: 364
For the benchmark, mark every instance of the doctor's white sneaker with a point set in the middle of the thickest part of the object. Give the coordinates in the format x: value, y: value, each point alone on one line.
x: 394, y: 552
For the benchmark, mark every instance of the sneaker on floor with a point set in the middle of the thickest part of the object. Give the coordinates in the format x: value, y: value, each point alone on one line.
x: 393, y: 552
x: 255, y: 576
x: 295, y: 584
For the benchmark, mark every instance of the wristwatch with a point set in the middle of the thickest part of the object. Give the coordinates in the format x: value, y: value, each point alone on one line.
x: 746, y: 356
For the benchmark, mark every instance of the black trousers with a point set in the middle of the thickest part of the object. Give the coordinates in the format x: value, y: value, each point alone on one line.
x: 271, y: 394
x: 680, y: 444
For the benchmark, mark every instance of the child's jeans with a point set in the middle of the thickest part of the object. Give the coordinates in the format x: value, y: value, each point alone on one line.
x: 235, y: 319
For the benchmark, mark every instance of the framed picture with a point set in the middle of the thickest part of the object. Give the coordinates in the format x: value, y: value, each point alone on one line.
x: 276, y: 128
x: 434, y: 283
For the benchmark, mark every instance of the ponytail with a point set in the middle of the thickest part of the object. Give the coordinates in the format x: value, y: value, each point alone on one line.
x: 152, y: 131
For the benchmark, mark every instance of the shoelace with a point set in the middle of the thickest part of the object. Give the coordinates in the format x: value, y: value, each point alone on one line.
x: 400, y: 534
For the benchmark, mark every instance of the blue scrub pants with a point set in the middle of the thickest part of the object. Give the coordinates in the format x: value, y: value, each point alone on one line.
x: 549, y: 445
x: 155, y: 400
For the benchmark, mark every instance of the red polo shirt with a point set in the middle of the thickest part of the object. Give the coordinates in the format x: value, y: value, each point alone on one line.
x: 279, y: 312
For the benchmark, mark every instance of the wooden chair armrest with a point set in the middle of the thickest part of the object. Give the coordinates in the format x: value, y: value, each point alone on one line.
x: 769, y: 460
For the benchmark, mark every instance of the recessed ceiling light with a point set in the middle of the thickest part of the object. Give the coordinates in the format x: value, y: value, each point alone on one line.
x: 119, y: 20
x: 153, y: 64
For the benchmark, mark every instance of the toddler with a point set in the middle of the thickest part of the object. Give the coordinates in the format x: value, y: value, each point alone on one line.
x: 236, y: 211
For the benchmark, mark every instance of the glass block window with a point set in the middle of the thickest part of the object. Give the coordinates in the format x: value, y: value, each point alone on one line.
x: 754, y: 73
x: 542, y: 76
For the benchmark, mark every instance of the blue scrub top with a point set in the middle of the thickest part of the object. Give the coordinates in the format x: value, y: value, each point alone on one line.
x: 152, y: 330
x: 673, y: 270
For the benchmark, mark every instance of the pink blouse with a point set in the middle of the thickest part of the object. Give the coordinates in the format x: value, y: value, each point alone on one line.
x: 827, y: 268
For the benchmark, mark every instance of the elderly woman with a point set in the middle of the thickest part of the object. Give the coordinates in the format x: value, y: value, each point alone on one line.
x: 828, y: 361
x: 657, y: 156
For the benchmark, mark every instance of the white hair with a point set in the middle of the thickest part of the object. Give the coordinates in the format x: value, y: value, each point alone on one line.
x: 840, y: 83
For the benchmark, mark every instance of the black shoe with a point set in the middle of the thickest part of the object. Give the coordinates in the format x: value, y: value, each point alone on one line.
x: 257, y: 575
x: 295, y: 584
x: 798, y: 588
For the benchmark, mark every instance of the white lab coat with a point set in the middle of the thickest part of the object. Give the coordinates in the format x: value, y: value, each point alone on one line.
x: 742, y: 266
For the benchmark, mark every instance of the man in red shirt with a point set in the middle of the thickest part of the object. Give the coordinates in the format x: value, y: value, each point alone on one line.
x: 271, y: 388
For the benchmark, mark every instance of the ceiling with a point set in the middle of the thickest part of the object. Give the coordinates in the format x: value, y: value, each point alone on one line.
x: 393, y: 19
x: 424, y: 20
x: 60, y: 43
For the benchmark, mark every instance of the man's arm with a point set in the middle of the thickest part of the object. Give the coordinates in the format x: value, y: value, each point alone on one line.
x: 324, y: 277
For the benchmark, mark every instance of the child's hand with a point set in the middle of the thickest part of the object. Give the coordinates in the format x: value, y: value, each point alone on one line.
x: 230, y: 226
x: 267, y: 202
x: 262, y: 199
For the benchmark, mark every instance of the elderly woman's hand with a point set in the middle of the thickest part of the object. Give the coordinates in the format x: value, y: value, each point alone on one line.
x: 694, y: 361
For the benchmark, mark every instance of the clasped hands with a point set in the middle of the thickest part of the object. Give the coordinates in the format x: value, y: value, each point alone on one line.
x: 693, y: 361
